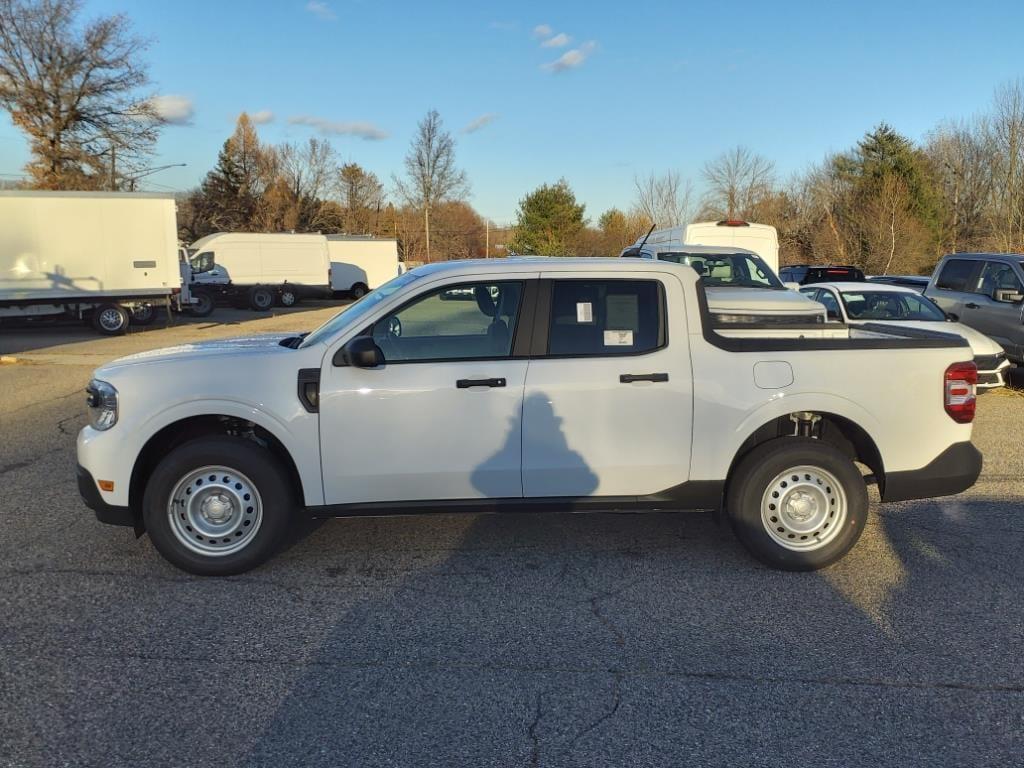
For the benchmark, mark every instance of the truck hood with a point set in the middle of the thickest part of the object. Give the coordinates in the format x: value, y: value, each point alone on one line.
x: 980, y: 343
x: 761, y: 301
x: 249, y: 346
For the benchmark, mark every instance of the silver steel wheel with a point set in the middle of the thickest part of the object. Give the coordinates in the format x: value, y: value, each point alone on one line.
x: 111, y: 319
x: 804, y: 508
x: 215, y: 511
x: 287, y: 298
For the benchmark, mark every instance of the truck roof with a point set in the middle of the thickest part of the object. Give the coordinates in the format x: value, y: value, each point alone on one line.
x: 561, y: 264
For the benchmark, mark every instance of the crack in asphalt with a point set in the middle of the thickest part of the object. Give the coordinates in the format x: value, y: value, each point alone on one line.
x: 616, y: 702
x: 531, y: 731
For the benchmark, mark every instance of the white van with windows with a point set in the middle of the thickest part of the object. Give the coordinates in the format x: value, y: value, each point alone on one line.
x: 259, y: 268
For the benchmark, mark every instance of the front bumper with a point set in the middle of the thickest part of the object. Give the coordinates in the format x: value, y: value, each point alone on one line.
x: 991, y: 370
x: 954, y: 470
x: 105, y: 513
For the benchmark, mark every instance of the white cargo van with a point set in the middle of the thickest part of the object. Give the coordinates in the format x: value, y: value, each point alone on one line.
x: 108, y: 257
x: 259, y: 269
x: 762, y: 239
x: 361, y: 263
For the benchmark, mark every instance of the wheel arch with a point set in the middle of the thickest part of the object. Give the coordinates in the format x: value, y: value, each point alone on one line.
x: 181, y: 430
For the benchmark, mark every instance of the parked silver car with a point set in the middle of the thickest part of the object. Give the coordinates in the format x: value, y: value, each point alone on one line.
x: 986, y: 292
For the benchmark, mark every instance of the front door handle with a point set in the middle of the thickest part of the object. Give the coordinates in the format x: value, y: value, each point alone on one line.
x: 629, y: 378
x: 467, y: 383
x: 971, y: 305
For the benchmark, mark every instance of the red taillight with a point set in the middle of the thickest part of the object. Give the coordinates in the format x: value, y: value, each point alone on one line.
x: 733, y: 223
x: 959, y: 395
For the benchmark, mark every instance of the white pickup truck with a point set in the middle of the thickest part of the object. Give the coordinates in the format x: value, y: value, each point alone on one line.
x: 540, y: 384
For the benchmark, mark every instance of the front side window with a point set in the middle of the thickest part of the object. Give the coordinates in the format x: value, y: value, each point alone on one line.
x: 890, y: 305
x: 956, y: 275
x: 469, y: 321
x: 831, y: 305
x: 354, y: 311
x: 203, y: 262
x: 605, y: 317
x: 998, y: 277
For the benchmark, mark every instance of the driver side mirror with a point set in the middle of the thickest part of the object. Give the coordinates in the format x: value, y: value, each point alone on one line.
x: 1008, y: 297
x: 360, y: 352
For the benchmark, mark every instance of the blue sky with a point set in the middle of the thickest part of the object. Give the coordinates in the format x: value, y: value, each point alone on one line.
x: 642, y: 86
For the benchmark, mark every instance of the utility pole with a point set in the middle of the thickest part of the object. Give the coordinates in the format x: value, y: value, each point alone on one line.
x: 487, y: 238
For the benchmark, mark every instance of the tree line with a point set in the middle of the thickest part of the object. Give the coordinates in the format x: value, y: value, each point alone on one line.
x: 79, y: 92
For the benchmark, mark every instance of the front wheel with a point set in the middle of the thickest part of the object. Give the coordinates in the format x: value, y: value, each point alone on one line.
x: 218, y: 506
x: 797, y: 504
x: 288, y: 297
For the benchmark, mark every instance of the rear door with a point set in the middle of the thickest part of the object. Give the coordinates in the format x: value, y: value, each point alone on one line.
x: 954, y: 285
x: 608, y: 403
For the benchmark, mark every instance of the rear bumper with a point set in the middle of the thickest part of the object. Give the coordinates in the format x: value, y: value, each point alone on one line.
x: 954, y: 470
x: 105, y: 513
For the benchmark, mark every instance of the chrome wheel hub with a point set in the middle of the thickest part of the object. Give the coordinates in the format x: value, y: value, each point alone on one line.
x: 111, y: 319
x: 804, y: 508
x: 215, y: 511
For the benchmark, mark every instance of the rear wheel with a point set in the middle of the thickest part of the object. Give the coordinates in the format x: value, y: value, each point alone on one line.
x: 359, y: 290
x: 797, y: 504
x: 261, y: 298
x: 217, y: 506
x: 111, y: 319
x: 143, y: 314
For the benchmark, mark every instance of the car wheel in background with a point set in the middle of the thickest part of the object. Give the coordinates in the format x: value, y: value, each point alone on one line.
x: 288, y: 297
x: 111, y: 319
x: 358, y: 291
x: 261, y: 298
x: 143, y: 314
x: 218, y: 505
x: 203, y: 305
x: 797, y: 504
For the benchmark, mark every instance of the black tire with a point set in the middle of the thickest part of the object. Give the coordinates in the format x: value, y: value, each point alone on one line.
x: 258, y: 465
x: 111, y: 319
x: 750, y: 486
x: 143, y: 314
x: 261, y: 298
x: 358, y: 291
x: 203, y: 306
x: 288, y: 297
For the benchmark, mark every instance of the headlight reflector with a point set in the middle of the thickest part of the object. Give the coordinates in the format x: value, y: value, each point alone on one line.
x: 102, y: 402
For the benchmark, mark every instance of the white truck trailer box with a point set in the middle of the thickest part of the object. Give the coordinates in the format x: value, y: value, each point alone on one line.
x: 360, y: 264
x: 97, y: 254
x: 261, y: 267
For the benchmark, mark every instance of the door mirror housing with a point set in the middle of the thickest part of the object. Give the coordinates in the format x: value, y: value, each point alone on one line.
x: 1008, y: 297
x: 360, y: 352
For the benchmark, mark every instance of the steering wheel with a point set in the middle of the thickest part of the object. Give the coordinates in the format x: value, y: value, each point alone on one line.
x: 394, y: 327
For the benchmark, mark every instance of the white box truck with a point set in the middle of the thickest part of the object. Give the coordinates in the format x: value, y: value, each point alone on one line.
x: 260, y: 268
x: 108, y: 257
x: 361, y: 263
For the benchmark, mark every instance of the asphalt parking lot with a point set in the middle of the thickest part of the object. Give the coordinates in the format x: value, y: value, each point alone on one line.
x: 517, y: 640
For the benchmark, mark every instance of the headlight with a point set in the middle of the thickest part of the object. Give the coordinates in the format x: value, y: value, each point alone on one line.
x: 102, y: 402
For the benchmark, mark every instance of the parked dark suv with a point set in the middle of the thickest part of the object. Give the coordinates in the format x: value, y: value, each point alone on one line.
x: 986, y: 292
x: 805, y: 274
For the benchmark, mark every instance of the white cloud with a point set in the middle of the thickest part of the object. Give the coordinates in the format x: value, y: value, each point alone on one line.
x: 558, y: 41
x: 542, y: 30
x: 262, y: 117
x: 360, y: 129
x: 480, y: 122
x: 174, y: 109
x: 571, y: 59
x: 321, y: 10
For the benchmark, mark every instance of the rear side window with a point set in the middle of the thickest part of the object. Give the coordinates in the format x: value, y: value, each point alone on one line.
x: 956, y: 275
x: 605, y: 317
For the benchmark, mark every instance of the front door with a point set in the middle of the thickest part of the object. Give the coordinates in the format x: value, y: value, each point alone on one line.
x: 1000, y: 320
x: 608, y: 405
x: 441, y: 418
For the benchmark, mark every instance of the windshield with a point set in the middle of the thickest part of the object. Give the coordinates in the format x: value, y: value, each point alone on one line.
x: 735, y: 270
x: 356, y: 310
x: 890, y: 305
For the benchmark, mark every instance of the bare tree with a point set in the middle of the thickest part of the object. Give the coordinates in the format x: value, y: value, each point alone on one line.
x: 308, y: 170
x: 362, y: 196
x: 737, y: 181
x: 74, y: 91
x: 963, y: 166
x: 1003, y: 133
x: 432, y: 175
x: 664, y: 199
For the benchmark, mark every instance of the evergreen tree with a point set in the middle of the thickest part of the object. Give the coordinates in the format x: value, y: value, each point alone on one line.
x: 549, y: 221
x: 232, y: 190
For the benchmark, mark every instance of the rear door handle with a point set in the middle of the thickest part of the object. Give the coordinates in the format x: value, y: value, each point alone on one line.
x: 467, y: 383
x: 629, y: 378
x: 972, y: 305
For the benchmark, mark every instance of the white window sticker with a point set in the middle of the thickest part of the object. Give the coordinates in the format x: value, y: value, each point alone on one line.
x: 618, y: 338
x: 584, y: 312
